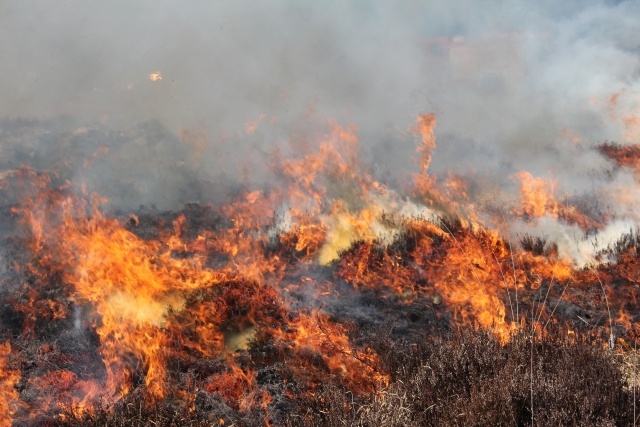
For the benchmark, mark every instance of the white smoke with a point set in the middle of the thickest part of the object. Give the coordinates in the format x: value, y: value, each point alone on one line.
x: 572, y: 242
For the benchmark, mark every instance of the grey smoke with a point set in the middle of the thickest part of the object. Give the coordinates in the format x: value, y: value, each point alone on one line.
x: 505, y: 79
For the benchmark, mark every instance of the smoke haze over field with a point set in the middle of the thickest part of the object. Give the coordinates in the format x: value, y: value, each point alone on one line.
x: 514, y: 85
x: 224, y: 63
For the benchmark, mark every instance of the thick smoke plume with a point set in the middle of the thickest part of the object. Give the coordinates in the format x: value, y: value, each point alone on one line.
x: 184, y: 93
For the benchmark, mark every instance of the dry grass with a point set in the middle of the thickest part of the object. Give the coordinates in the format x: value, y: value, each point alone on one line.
x: 464, y: 380
x: 472, y: 381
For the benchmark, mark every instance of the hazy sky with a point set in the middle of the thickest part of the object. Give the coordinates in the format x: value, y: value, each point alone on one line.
x: 512, y: 83
x: 226, y: 62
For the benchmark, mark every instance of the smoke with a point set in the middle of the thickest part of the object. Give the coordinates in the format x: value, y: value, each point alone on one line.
x: 223, y: 63
x: 572, y: 243
x: 514, y: 86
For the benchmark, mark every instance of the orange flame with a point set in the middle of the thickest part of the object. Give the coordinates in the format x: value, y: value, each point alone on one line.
x: 9, y: 398
x: 537, y: 196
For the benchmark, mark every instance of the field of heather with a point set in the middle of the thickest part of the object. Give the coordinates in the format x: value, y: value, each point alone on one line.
x: 364, y: 213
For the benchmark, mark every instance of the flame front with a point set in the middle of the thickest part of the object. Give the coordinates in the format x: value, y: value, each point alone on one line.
x: 261, y: 268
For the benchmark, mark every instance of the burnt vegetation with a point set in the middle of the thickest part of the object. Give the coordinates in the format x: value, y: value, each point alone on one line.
x: 622, y: 155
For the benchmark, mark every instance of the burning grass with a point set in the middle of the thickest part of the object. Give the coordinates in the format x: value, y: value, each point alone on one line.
x: 374, y: 338
x: 308, y: 304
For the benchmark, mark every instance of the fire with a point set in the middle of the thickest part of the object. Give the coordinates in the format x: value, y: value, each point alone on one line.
x: 425, y: 129
x: 537, y: 196
x: 449, y: 196
x: 155, y: 76
x: 315, y: 332
x: 537, y: 199
x: 9, y: 397
x: 130, y: 283
x: 629, y: 118
x: 369, y: 224
x: 246, y: 286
